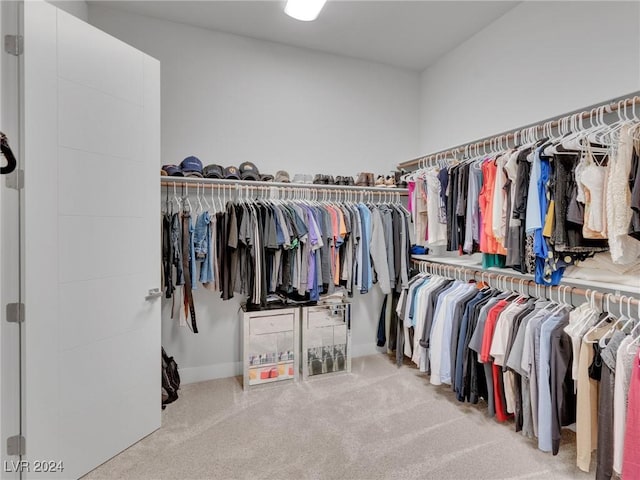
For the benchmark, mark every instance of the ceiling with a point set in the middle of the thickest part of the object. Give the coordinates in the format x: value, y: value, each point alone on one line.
x: 407, y: 34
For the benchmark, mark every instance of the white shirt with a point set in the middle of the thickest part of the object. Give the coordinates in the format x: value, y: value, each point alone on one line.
x: 499, y: 224
x: 436, y: 339
x: 437, y: 232
x: 624, y: 365
x: 624, y: 249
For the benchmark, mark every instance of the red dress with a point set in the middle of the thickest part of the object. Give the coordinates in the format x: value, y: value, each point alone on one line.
x: 485, y: 357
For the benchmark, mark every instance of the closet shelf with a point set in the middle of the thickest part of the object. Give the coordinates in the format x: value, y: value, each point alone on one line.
x: 609, y: 106
x: 224, y: 183
x: 473, y: 264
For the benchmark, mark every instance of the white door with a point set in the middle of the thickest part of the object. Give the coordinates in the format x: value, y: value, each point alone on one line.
x: 91, y: 242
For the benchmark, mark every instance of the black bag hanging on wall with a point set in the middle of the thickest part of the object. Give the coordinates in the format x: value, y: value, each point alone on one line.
x: 170, y: 379
x: 5, y: 149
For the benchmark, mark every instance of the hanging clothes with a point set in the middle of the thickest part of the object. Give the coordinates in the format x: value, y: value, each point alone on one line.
x: 295, y: 249
x: 538, y: 208
x: 546, y: 365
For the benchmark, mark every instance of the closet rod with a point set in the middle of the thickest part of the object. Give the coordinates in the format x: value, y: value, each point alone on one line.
x: 610, y: 106
x: 217, y: 183
x: 463, y: 272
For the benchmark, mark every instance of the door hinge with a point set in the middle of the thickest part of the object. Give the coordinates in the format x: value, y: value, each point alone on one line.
x: 14, y: 44
x: 16, y: 445
x: 15, y: 312
x: 15, y: 180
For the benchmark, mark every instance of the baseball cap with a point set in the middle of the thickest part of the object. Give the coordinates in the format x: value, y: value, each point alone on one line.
x: 191, y: 164
x: 213, y: 171
x: 248, y: 171
x: 173, y: 170
x: 231, y: 173
x: 282, y: 176
x: 265, y: 177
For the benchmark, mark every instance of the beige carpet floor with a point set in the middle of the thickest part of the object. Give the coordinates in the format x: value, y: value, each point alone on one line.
x: 379, y: 422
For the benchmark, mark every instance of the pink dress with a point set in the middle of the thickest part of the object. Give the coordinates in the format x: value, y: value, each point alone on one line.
x: 631, y: 458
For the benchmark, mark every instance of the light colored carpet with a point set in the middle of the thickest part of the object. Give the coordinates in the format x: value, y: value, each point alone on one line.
x: 379, y: 422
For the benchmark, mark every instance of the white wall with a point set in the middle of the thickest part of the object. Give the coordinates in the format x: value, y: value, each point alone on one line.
x: 539, y: 60
x: 227, y: 99
x: 77, y: 8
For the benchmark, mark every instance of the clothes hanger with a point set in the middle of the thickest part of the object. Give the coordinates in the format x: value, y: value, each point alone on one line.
x: 522, y: 296
x: 595, y: 135
x: 552, y: 306
x: 635, y: 334
x: 570, y: 141
x: 200, y: 206
x: 615, y: 128
x: 600, y: 323
x: 176, y: 199
x: 629, y: 319
x: 571, y: 296
x: 562, y: 297
x: 213, y: 203
x: 165, y: 206
x: 509, y: 288
x: 635, y: 123
x: 576, y: 324
x: 547, y: 131
x: 563, y: 290
x: 618, y: 321
x: 187, y: 201
x: 401, y: 206
x: 204, y: 198
x: 558, y: 303
x: 521, y: 288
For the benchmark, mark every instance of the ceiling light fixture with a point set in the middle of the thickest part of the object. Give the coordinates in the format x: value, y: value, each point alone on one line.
x: 304, y: 10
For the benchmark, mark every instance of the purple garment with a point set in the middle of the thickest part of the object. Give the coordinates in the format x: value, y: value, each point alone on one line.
x: 314, y: 237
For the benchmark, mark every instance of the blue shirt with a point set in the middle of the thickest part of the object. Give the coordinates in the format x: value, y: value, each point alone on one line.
x: 544, y: 382
x: 445, y: 353
x: 534, y: 217
x: 367, y: 278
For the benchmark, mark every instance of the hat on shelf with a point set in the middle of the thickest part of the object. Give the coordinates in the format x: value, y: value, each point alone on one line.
x: 265, y: 177
x: 173, y: 170
x: 231, y: 173
x: 248, y: 171
x: 163, y: 173
x: 282, y: 177
x: 191, y: 167
x: 213, y: 171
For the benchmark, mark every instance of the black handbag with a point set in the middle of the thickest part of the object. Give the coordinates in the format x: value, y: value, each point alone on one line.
x: 8, y: 154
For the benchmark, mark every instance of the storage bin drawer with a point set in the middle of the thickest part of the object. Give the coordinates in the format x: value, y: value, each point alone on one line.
x: 271, y: 324
x: 325, y: 318
x: 326, y: 340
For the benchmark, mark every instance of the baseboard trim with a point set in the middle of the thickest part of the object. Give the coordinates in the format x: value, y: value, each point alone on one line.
x: 210, y: 372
